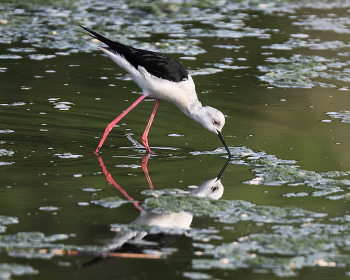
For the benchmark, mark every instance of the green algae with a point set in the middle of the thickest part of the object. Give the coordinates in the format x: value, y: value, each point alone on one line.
x: 296, y: 75
x: 37, y: 245
x: 283, y: 252
x: 277, y: 175
x: 196, y: 275
x: 157, y: 193
x: 344, y: 116
x: 29, y: 238
x: 299, y: 71
x: 183, y: 46
x: 273, y: 171
x: 7, y: 220
x: 8, y: 270
x: 54, y: 24
x: 110, y: 202
x: 259, y: 263
x: 229, y: 211
x: 204, y: 71
x: 174, y: 204
x: 4, y: 152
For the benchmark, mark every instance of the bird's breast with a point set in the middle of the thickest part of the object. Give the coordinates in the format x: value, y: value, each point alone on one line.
x: 180, y: 94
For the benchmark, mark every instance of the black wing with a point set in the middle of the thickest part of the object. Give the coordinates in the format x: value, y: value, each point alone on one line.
x: 156, y: 64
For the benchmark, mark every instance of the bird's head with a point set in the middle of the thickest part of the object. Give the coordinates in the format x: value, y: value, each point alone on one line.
x: 212, y: 188
x: 213, y: 119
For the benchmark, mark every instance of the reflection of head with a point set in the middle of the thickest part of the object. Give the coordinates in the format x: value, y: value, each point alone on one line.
x: 210, y: 188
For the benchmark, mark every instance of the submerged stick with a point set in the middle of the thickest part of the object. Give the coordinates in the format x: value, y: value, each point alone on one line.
x: 61, y: 252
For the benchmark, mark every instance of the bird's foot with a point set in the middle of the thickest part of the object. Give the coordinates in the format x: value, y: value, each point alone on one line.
x: 149, y: 152
x: 97, y: 152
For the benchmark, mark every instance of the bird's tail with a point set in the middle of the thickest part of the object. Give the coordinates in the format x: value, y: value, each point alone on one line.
x: 112, y: 44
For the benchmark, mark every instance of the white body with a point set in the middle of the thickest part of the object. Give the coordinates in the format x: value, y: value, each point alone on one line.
x: 182, y: 94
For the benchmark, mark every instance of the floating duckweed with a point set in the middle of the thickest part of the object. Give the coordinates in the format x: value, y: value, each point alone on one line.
x: 196, y: 275
x: 6, y: 131
x: 326, y: 190
x: 4, y: 152
x: 335, y: 174
x: 336, y: 197
x: 91, y: 190
x: 268, y: 160
x: 6, y: 163
x: 164, y: 192
x: 229, y: 211
x: 277, y: 175
x: 36, y: 245
x: 204, y: 71
x: 83, y: 203
x: 175, y: 135
x: 10, y: 56
x: 281, y: 174
x: 299, y: 70
x: 40, y: 56
x: 141, y: 228
x: 48, y: 208
x: 174, y: 204
x: 282, y: 252
x: 67, y: 155
x: 183, y: 46
x: 63, y: 105
x: 7, y: 220
x: 334, y: 24
x: 24, y: 238
x: 133, y: 166
x: 236, y: 152
x: 24, y: 50
x: 274, y: 171
x: 204, y: 235
x: 7, y: 270
x: 109, y: 202
x: 231, y: 67
x: 301, y: 194
x: 296, y: 75
x: 343, y: 115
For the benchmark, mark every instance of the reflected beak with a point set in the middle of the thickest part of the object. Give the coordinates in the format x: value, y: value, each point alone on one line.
x: 225, y: 145
x: 222, y: 170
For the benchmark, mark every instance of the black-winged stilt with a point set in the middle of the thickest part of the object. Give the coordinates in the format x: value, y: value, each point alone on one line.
x: 162, y: 78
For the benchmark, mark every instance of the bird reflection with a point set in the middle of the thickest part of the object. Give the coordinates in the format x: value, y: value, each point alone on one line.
x: 136, y: 241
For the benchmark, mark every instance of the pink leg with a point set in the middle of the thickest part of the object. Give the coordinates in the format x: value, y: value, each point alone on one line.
x: 113, y: 123
x: 144, y: 168
x: 114, y: 183
x: 145, y: 134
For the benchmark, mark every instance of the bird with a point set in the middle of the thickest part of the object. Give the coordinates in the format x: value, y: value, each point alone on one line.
x: 162, y: 78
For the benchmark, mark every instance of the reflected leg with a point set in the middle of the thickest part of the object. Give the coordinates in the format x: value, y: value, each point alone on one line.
x: 145, y: 170
x: 114, y: 183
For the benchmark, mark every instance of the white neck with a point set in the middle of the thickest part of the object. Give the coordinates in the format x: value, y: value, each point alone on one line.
x: 195, y: 111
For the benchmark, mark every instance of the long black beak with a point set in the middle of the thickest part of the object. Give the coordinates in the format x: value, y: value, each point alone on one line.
x: 222, y: 170
x: 225, y: 145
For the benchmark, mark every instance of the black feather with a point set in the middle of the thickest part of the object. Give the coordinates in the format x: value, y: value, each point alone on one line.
x: 156, y: 64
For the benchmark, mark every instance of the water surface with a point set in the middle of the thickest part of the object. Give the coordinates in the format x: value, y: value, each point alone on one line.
x: 280, y: 74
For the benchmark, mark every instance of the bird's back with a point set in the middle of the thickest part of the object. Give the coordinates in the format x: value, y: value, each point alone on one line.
x: 156, y: 64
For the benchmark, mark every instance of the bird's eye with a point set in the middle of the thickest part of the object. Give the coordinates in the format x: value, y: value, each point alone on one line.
x: 216, y: 122
x: 214, y: 189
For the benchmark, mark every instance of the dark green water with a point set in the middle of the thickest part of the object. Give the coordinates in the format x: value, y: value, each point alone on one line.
x: 47, y: 154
